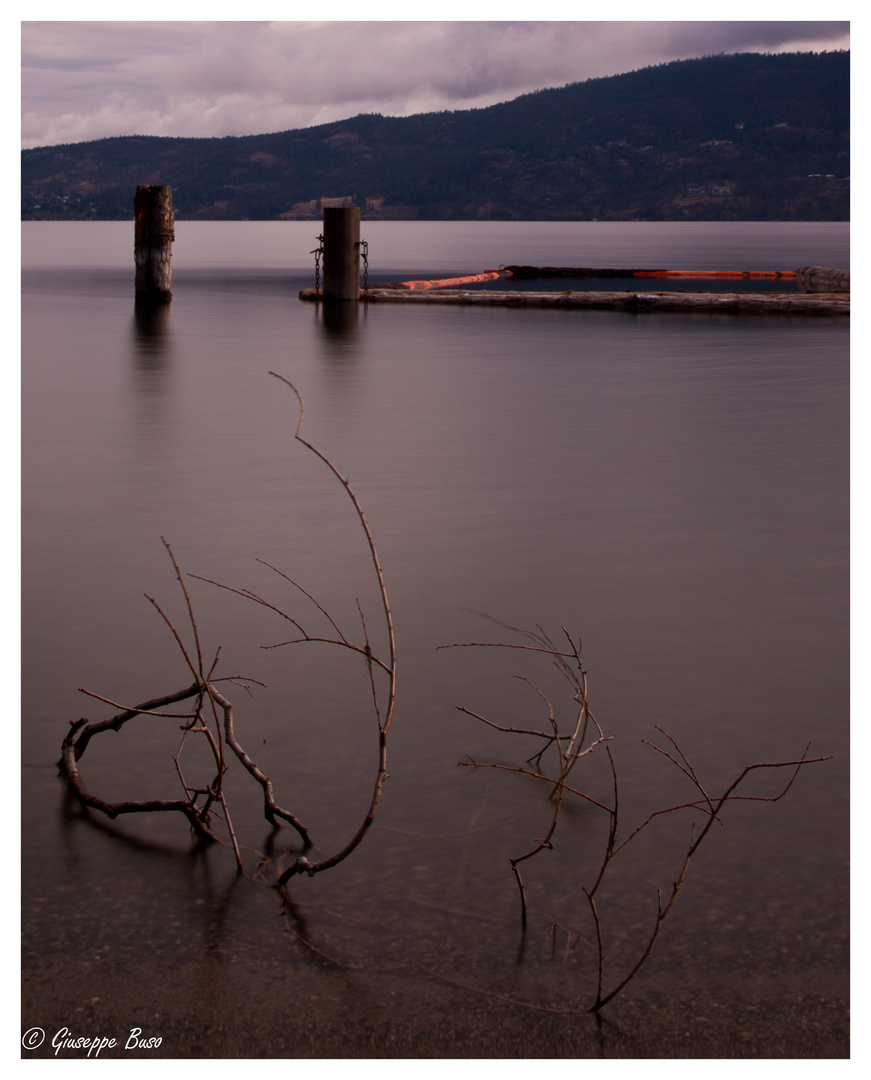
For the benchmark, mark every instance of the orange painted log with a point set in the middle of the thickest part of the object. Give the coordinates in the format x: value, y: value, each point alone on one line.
x: 447, y: 283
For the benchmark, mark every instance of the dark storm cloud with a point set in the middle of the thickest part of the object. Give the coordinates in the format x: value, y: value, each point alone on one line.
x: 86, y: 80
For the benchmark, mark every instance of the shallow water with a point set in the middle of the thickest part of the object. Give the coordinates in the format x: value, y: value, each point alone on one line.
x: 673, y: 489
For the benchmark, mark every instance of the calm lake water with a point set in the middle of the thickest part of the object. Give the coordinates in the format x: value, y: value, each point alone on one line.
x: 671, y: 488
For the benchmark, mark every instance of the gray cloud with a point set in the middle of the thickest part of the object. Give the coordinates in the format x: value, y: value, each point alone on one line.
x: 87, y: 80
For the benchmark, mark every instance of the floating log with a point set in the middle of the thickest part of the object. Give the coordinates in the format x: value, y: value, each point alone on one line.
x: 822, y: 279
x: 714, y: 273
x: 341, y: 253
x: 530, y: 272
x: 748, y: 303
x: 447, y: 283
x: 152, y: 245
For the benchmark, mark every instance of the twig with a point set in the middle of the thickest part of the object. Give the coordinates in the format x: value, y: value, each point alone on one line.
x: 134, y: 711
x: 308, y: 596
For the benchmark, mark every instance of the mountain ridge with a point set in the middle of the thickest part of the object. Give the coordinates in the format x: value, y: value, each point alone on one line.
x: 743, y: 136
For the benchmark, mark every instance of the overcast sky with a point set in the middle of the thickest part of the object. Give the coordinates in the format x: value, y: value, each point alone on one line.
x: 88, y: 80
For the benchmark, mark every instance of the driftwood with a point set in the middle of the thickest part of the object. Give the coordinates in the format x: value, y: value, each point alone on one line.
x: 822, y: 279
x: 737, y: 303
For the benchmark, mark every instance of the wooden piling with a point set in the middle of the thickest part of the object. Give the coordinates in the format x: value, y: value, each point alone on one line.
x: 152, y: 248
x: 341, y: 253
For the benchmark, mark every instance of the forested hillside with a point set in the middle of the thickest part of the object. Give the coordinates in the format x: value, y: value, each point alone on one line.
x: 741, y: 137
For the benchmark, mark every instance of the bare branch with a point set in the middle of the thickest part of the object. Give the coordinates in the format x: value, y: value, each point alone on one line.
x: 270, y: 808
x: 498, y: 727
x: 248, y: 595
x: 570, y: 750
x: 500, y: 645
x: 187, y: 598
x: 332, y: 641
x: 117, y: 722
x: 303, y: 865
x: 219, y: 728
x: 112, y: 810
x: 388, y: 616
x: 135, y: 712
x: 176, y: 635
x: 539, y: 776
x: 308, y: 595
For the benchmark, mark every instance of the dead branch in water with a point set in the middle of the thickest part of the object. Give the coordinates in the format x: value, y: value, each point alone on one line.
x: 569, y: 745
x: 211, y: 714
x: 199, y: 803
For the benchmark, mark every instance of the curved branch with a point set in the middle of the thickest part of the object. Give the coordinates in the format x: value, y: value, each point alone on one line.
x: 117, y: 722
x: 70, y: 770
x: 388, y: 616
x: 302, y: 865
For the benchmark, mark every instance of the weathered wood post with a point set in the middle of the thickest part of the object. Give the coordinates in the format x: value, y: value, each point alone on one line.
x: 152, y: 247
x: 341, y: 253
